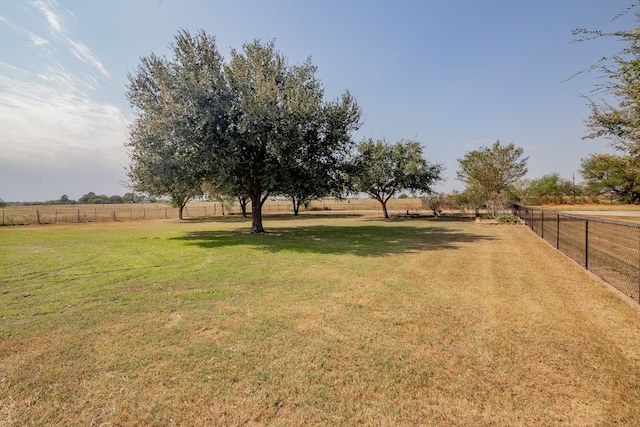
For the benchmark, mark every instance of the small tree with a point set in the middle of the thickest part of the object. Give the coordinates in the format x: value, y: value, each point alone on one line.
x: 381, y: 170
x: 2, y: 203
x: 435, y: 202
x: 490, y: 171
x: 243, y: 201
x: 551, y: 188
x: 521, y: 190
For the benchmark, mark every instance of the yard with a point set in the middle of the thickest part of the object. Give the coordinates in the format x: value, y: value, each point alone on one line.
x: 326, y: 320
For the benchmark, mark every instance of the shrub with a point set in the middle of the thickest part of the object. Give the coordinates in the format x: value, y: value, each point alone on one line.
x: 508, y: 219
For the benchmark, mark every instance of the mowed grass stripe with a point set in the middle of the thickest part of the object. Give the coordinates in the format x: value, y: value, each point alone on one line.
x: 335, y: 321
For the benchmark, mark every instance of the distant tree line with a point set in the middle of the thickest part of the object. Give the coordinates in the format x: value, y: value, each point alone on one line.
x: 92, y: 198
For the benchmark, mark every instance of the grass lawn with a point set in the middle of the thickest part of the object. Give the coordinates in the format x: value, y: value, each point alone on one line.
x: 323, y: 321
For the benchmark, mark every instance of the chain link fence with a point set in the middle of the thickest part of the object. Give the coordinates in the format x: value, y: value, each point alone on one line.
x: 609, y: 249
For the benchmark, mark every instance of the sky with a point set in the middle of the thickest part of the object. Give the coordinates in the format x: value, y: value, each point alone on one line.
x: 455, y: 75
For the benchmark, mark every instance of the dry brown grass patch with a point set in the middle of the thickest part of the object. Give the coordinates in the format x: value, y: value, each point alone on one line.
x: 351, y: 322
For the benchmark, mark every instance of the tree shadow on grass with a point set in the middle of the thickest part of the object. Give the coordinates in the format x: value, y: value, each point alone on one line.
x: 360, y: 240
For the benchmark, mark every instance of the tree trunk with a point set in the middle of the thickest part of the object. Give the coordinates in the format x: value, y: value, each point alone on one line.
x: 384, y: 209
x: 296, y: 206
x: 180, y: 208
x: 256, y: 211
x: 243, y: 205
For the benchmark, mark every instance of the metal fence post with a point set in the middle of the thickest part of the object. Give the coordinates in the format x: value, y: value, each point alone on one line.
x: 558, y: 232
x: 626, y: 277
x: 586, y: 244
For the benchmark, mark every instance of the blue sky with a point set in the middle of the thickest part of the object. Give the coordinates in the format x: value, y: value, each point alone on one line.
x: 456, y: 75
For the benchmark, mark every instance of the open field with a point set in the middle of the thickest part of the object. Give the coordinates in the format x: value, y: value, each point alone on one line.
x: 602, y: 207
x: 327, y: 320
x: 66, y: 214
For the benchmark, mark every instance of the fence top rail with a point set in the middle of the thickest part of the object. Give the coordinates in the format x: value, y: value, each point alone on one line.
x: 583, y: 217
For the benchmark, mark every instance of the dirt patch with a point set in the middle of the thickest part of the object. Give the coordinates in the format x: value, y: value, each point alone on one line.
x: 174, y: 320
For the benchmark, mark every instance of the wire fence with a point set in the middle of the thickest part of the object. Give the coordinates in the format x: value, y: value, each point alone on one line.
x: 609, y: 249
x: 67, y: 214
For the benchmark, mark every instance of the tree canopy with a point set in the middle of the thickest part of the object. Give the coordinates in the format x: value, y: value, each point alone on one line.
x: 552, y: 188
x: 613, y: 175
x: 491, y: 170
x: 616, y: 118
x: 382, y: 170
x: 618, y: 121
x: 284, y: 135
x: 180, y: 108
x: 254, y: 126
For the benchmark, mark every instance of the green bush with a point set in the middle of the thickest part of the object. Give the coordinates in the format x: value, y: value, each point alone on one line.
x: 508, y: 219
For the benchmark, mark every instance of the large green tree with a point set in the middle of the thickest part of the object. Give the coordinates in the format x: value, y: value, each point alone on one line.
x: 383, y: 170
x: 181, y: 109
x: 613, y: 175
x: 491, y: 170
x: 247, y: 125
x: 282, y: 128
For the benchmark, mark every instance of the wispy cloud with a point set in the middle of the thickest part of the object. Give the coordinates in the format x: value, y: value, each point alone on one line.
x: 37, y: 40
x: 84, y: 54
x: 44, y: 116
x: 50, y: 10
x: 46, y: 7
x: 51, y: 124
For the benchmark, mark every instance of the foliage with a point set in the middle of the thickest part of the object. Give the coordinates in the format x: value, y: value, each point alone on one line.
x: 508, y: 219
x: 381, y: 170
x: 552, y: 189
x: 2, y: 203
x: 521, y: 190
x: 179, y: 106
x: 254, y: 126
x: 434, y: 201
x: 620, y: 123
x: 63, y: 200
x: 226, y: 200
x: 468, y: 200
x: 613, y: 175
x: 490, y: 171
x: 92, y: 198
x: 285, y: 138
